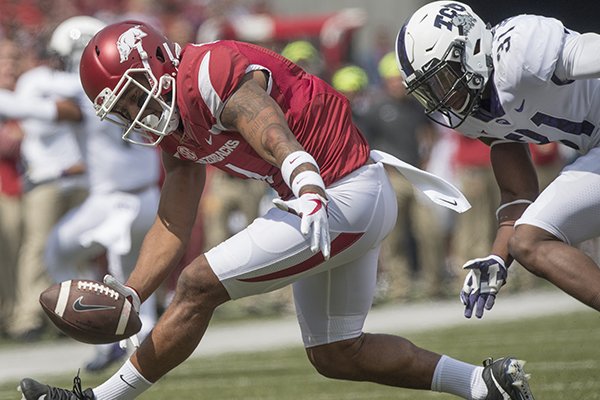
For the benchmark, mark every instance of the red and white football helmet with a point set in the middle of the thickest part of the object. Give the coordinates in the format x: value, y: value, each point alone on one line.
x: 132, y: 53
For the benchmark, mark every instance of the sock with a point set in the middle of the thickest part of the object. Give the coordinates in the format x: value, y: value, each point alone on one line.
x: 126, y: 384
x: 459, y: 378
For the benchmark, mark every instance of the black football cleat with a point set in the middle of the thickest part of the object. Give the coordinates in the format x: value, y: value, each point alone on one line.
x: 34, y: 390
x: 506, y: 379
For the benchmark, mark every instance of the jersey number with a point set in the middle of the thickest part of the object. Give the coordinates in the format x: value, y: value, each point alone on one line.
x: 504, y: 43
x: 564, y: 125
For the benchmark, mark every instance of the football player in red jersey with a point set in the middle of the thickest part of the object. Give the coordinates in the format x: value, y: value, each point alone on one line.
x: 255, y: 114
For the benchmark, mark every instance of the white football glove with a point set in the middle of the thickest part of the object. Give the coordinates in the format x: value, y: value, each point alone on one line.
x: 485, y: 278
x: 133, y: 297
x: 128, y: 292
x: 312, y: 208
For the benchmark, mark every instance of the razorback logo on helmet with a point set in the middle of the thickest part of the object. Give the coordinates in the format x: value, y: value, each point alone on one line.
x: 129, y: 40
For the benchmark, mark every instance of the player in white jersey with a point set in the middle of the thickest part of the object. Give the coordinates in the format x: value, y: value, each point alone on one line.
x: 114, y: 218
x: 123, y: 181
x: 120, y: 207
x: 527, y: 80
x: 54, y: 182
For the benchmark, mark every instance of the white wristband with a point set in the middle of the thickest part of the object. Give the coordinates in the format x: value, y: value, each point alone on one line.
x: 512, y: 203
x: 307, y: 178
x: 498, y: 259
x: 292, y: 161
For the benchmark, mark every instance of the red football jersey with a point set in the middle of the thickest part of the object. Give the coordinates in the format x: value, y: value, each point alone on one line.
x: 319, y: 117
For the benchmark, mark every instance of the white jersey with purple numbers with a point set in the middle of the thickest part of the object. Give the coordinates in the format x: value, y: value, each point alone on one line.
x: 529, y: 103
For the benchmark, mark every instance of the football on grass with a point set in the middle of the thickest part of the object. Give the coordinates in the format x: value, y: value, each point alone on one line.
x: 90, y: 311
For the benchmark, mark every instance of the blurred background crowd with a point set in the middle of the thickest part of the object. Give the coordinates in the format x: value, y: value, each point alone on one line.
x: 421, y: 259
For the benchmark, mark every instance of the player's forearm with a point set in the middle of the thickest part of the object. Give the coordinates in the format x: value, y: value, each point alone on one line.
x: 500, y: 245
x: 165, y: 243
x: 514, y: 172
x: 161, y: 252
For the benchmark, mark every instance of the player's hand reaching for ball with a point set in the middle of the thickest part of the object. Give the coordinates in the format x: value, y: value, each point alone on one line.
x: 128, y: 292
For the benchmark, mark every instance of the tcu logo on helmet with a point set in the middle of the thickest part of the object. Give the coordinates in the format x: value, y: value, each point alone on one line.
x: 449, y: 17
x: 129, y: 40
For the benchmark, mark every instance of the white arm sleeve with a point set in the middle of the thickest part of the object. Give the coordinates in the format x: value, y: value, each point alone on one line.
x: 14, y: 106
x: 579, y: 57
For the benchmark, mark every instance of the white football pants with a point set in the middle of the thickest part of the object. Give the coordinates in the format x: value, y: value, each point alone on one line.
x: 332, y: 297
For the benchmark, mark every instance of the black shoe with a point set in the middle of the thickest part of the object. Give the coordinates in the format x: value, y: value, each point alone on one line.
x: 104, y: 359
x: 33, y: 390
x: 506, y: 379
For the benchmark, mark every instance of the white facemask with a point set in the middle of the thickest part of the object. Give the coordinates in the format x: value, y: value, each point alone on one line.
x: 154, y: 122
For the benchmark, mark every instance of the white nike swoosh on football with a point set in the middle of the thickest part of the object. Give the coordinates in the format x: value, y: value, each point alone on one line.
x: 80, y: 307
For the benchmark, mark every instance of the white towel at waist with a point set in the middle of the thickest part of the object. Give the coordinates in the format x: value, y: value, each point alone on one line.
x: 437, y: 189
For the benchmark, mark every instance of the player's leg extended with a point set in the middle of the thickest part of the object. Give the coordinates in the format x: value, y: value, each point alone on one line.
x: 333, y: 304
x: 564, y: 265
x: 181, y: 327
x: 332, y: 307
x: 564, y: 215
x: 65, y: 255
x: 173, y: 339
x: 269, y: 254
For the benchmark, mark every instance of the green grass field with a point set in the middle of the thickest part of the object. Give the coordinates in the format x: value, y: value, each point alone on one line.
x: 562, y: 351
